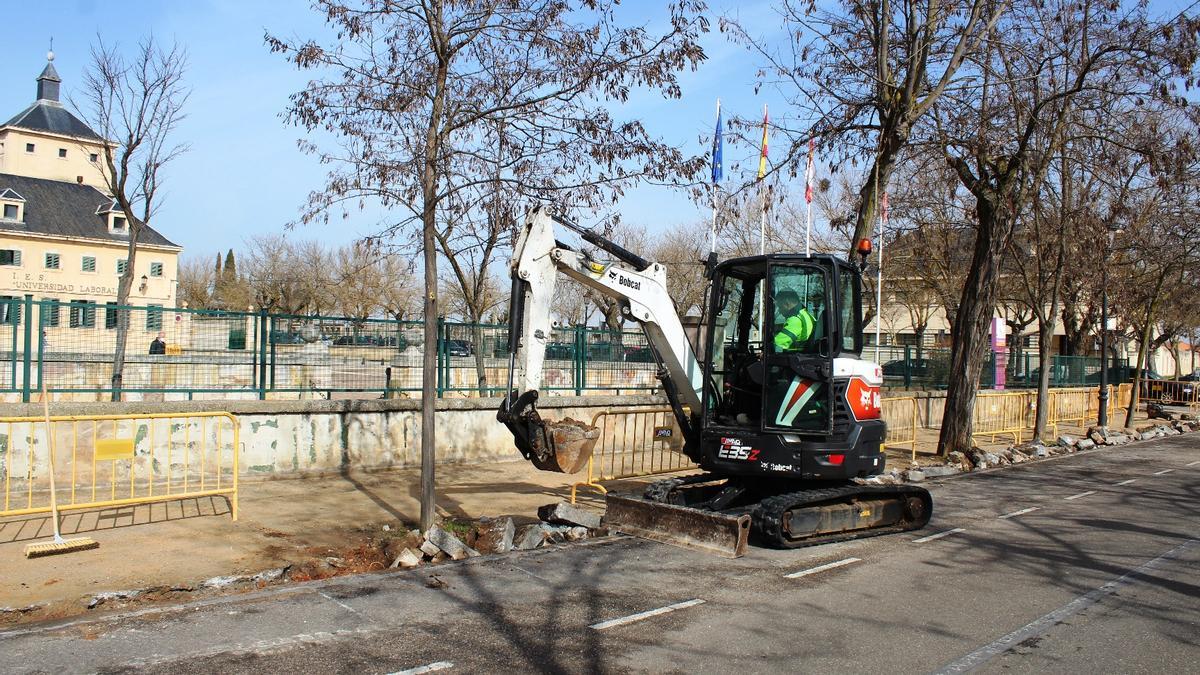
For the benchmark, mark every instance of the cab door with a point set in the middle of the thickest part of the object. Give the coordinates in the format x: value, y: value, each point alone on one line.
x: 798, y: 391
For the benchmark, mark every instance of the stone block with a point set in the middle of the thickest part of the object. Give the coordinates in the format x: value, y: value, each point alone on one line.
x: 939, y: 471
x: 1040, y: 451
x: 1085, y: 444
x: 529, y: 537
x: 563, y: 513
x: 449, y: 544
x: 1147, y: 435
x: 406, y: 559
x: 1066, y: 441
x: 430, y: 549
x: 495, y: 536
x: 915, y: 476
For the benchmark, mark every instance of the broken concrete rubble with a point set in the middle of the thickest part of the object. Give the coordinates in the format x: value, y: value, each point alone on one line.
x: 449, y: 544
x: 563, y: 513
x: 495, y: 535
x: 406, y: 559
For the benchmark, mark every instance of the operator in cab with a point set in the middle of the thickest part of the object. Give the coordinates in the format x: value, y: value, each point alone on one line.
x: 798, y: 322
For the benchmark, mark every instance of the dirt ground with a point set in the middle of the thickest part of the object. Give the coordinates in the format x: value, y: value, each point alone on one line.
x: 283, y: 522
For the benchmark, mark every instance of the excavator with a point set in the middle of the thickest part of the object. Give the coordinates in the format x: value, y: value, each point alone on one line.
x: 779, y: 422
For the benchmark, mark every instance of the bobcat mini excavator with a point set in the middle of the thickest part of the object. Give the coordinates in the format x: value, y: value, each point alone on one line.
x: 779, y: 422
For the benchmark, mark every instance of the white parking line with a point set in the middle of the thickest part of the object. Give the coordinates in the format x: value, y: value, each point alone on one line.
x: 821, y: 568
x: 1018, y: 513
x: 432, y: 667
x: 939, y: 535
x: 1159, y: 473
x: 612, y: 623
x: 1081, y: 494
x: 1125, y: 482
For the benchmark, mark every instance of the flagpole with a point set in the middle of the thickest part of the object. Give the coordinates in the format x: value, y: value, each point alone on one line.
x: 716, y: 178
x: 879, y: 277
x: 762, y: 166
x: 808, y: 196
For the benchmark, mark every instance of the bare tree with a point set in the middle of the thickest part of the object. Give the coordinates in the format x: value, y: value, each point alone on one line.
x: 418, y: 88
x: 1048, y: 61
x: 135, y: 103
x: 864, y: 73
x: 196, y: 282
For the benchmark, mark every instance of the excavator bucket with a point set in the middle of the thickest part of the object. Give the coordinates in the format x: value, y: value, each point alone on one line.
x: 564, y: 446
x: 721, y: 534
x: 571, y: 446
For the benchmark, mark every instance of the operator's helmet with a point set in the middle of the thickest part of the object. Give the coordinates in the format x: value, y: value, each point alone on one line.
x: 787, y: 295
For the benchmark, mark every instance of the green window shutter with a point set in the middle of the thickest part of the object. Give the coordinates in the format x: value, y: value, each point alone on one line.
x: 89, y: 263
x: 52, y: 261
x: 156, y: 269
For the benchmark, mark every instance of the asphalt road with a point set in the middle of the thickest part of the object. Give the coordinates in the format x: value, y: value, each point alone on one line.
x: 1082, y: 564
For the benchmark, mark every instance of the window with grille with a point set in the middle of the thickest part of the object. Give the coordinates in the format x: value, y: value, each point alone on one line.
x: 10, y: 257
x: 52, y: 261
x: 50, y: 312
x: 154, y: 317
x: 89, y: 263
x: 10, y: 310
x: 83, y: 314
x: 110, y: 315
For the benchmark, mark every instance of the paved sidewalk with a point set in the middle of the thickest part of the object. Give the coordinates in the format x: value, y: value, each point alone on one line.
x: 281, y: 522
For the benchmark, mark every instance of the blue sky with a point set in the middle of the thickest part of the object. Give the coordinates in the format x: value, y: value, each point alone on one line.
x: 244, y: 158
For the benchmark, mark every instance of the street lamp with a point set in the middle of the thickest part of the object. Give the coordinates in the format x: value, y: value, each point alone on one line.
x: 1102, y: 415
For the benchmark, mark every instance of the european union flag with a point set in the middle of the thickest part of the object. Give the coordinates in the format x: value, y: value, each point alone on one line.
x: 718, y: 144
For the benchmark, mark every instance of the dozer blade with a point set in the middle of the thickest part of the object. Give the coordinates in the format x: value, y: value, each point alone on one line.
x: 719, y: 533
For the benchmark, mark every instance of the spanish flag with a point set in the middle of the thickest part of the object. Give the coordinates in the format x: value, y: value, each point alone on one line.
x: 762, y: 158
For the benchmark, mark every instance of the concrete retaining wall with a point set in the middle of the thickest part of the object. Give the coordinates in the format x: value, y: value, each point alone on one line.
x: 297, y: 438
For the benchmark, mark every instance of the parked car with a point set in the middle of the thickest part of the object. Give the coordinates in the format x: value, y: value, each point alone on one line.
x: 357, y: 341
x: 916, y: 368
x: 459, y: 348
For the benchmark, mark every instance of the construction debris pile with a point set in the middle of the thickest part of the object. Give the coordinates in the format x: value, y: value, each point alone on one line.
x: 979, y: 459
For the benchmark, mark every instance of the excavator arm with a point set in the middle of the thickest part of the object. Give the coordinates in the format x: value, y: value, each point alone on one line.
x: 640, y: 286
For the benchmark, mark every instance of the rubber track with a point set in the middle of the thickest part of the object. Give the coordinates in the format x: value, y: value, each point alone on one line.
x: 768, y: 515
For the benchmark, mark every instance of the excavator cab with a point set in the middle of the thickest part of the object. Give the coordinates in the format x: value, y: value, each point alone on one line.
x: 786, y: 342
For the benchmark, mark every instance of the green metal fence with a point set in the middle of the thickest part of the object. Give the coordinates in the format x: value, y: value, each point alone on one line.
x: 218, y: 354
x: 929, y: 368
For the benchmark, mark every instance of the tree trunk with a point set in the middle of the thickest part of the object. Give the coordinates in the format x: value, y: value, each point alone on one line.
x: 1134, y: 398
x: 1045, y: 333
x: 429, y: 358
x: 969, y: 334
x: 874, y: 187
x: 124, y: 286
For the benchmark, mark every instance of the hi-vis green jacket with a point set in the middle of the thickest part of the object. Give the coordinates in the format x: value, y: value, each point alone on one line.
x: 796, y: 330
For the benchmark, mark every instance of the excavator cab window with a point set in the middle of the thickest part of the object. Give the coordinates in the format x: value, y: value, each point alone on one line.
x: 799, y: 367
x: 735, y: 384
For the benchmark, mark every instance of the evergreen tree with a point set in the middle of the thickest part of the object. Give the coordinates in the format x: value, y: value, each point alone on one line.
x: 230, y: 275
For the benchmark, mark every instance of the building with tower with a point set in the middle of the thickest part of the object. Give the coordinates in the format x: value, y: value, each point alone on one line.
x: 62, y: 237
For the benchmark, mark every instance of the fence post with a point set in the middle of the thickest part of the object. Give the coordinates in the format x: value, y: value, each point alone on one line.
x: 25, y: 361
x: 577, y: 357
x: 14, y: 308
x: 440, y: 355
x: 40, y: 334
x: 271, y: 340
x: 262, y: 354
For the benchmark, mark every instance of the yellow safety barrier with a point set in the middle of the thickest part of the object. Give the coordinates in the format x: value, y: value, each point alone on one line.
x: 1078, y: 405
x: 634, y: 442
x: 118, y: 460
x: 1001, y: 413
x: 903, y: 422
x: 1170, y: 392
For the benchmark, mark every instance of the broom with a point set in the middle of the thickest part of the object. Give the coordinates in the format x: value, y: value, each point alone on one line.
x: 59, y: 545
